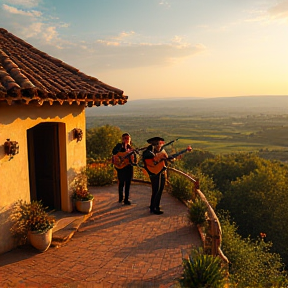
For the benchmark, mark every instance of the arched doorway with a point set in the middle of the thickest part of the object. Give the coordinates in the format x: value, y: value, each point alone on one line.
x: 44, y: 163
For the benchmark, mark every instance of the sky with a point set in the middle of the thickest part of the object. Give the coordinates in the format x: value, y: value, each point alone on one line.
x: 163, y: 48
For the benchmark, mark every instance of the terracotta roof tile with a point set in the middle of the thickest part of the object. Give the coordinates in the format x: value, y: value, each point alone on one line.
x: 28, y: 75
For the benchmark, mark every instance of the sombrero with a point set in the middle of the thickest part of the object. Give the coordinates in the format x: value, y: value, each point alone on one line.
x: 154, y: 140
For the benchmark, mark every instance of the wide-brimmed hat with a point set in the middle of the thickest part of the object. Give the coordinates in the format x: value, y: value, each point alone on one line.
x: 154, y: 140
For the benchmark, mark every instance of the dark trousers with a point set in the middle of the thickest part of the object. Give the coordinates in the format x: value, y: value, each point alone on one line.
x: 125, y: 176
x: 158, y: 183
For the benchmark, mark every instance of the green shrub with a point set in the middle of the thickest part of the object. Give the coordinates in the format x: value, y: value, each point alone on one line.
x: 197, y: 211
x: 202, y: 271
x: 208, y: 188
x: 181, y: 188
x: 252, y: 263
x: 140, y: 174
x: 100, y: 174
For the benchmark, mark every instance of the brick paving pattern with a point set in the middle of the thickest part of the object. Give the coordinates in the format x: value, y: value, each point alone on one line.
x: 118, y: 246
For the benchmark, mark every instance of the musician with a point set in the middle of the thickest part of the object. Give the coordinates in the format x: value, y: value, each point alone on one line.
x: 124, y: 174
x: 153, y: 156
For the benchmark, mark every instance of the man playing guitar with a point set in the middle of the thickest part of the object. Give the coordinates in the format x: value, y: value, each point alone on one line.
x: 123, y: 166
x: 153, y: 154
x: 155, y: 160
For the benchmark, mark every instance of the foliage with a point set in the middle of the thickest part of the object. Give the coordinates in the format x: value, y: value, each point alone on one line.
x: 208, y: 187
x: 197, y: 211
x: 252, y: 263
x: 140, y: 173
x: 100, y: 173
x: 79, y: 188
x: 181, y: 188
x: 256, y: 195
x: 29, y: 217
x: 258, y: 203
x: 202, y: 271
x: 101, y: 140
x: 194, y: 159
x: 224, y: 169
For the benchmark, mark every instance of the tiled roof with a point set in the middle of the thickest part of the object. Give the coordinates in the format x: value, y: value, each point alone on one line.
x: 28, y: 75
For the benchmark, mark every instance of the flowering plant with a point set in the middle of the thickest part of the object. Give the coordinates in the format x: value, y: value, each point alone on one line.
x: 82, y: 194
x: 79, y: 188
x: 29, y: 217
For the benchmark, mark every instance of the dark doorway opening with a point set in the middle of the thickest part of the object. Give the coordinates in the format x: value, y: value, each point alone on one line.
x: 44, y: 164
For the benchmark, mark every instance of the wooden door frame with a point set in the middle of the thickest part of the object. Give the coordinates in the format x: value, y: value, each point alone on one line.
x: 60, y: 145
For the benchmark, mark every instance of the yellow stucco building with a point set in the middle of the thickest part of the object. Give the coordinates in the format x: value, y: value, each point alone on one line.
x: 42, y: 127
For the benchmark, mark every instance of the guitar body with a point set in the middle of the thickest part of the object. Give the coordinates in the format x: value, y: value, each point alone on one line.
x: 157, y: 164
x: 120, y: 160
x: 154, y: 167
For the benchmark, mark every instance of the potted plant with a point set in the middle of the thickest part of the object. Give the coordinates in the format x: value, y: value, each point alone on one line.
x: 32, y: 222
x: 80, y: 194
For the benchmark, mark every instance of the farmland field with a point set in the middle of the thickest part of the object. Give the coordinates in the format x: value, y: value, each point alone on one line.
x: 232, y: 131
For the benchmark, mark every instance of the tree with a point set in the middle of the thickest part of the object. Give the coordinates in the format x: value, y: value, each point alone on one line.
x: 252, y: 262
x: 101, y: 140
x: 258, y: 204
x: 224, y: 169
x: 193, y: 160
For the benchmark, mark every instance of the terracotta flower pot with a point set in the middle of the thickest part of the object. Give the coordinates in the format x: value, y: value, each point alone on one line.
x: 84, y: 206
x: 40, y: 241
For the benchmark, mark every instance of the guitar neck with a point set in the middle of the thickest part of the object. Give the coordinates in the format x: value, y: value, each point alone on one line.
x: 133, y: 151
x: 177, y: 154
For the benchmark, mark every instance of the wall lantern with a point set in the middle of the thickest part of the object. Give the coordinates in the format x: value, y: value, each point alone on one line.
x: 77, y: 134
x: 11, y: 148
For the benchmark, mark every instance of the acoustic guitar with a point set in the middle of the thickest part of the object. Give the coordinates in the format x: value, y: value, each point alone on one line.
x: 122, y: 159
x: 156, y: 165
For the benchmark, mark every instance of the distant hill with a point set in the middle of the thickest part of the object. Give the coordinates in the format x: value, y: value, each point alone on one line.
x: 249, y: 105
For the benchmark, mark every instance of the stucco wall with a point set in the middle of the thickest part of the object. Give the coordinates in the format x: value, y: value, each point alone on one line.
x: 15, y: 120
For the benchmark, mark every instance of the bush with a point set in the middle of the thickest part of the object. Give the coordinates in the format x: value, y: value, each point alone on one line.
x: 100, y: 173
x: 208, y: 188
x: 96, y: 137
x: 140, y: 173
x: 202, y: 271
x: 252, y: 263
x: 197, y: 211
x: 181, y: 188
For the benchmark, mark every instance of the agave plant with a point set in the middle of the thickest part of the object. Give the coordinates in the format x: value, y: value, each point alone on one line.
x: 202, y: 271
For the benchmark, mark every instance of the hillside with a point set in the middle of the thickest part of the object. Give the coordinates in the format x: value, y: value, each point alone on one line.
x: 225, y: 106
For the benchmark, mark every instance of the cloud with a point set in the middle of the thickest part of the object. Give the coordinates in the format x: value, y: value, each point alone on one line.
x: 106, y: 54
x: 165, y: 4
x: 280, y: 10
x: 13, y: 10
x: 25, y: 3
x: 118, y: 40
x: 128, y: 49
x: 31, y: 25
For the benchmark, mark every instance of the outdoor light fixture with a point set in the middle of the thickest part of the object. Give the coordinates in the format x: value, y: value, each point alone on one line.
x: 77, y: 134
x: 11, y: 148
